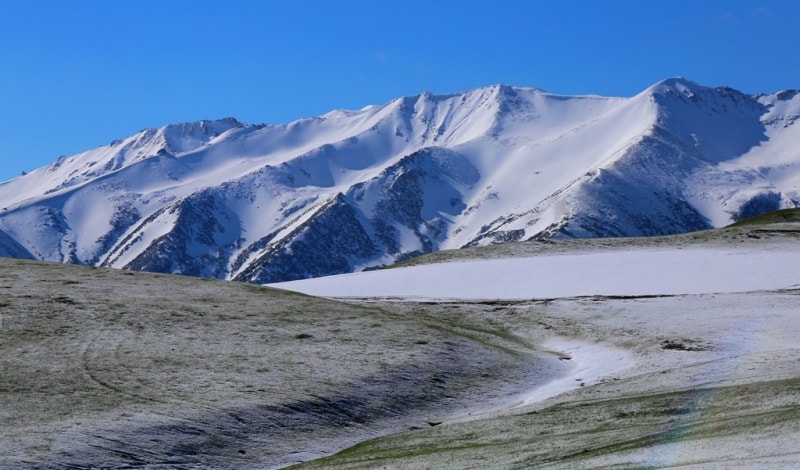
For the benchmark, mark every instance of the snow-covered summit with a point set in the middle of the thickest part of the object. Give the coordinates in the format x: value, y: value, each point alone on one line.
x: 350, y: 190
x: 679, y: 85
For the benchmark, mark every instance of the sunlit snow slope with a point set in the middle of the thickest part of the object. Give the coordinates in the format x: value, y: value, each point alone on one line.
x: 350, y: 190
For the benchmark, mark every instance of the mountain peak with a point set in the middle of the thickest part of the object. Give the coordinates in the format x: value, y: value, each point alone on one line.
x: 187, y: 136
x: 355, y: 189
x: 675, y: 85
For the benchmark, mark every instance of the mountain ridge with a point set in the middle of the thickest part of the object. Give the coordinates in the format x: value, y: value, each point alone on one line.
x: 350, y: 190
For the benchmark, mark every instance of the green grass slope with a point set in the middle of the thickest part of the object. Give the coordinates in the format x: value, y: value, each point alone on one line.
x: 770, y: 218
x: 109, y: 369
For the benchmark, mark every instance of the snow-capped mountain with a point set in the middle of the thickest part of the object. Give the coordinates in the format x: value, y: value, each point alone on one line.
x: 350, y: 190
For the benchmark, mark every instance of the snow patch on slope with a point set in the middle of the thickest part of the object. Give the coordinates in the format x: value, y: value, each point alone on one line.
x: 635, y: 272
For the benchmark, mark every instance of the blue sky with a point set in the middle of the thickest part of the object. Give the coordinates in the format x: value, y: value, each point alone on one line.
x: 79, y: 74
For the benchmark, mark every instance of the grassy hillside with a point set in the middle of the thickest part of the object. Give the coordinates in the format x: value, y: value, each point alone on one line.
x: 103, y: 368
x: 114, y: 368
x: 785, y: 216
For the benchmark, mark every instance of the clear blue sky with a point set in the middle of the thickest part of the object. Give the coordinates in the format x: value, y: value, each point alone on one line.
x: 77, y: 74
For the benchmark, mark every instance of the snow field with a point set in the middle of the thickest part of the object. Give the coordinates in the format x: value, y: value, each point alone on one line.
x: 633, y: 273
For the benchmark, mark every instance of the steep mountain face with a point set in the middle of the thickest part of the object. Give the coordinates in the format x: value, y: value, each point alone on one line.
x: 9, y: 248
x: 351, y: 190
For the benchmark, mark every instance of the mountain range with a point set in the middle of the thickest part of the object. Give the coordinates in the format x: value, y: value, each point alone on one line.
x: 353, y: 190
